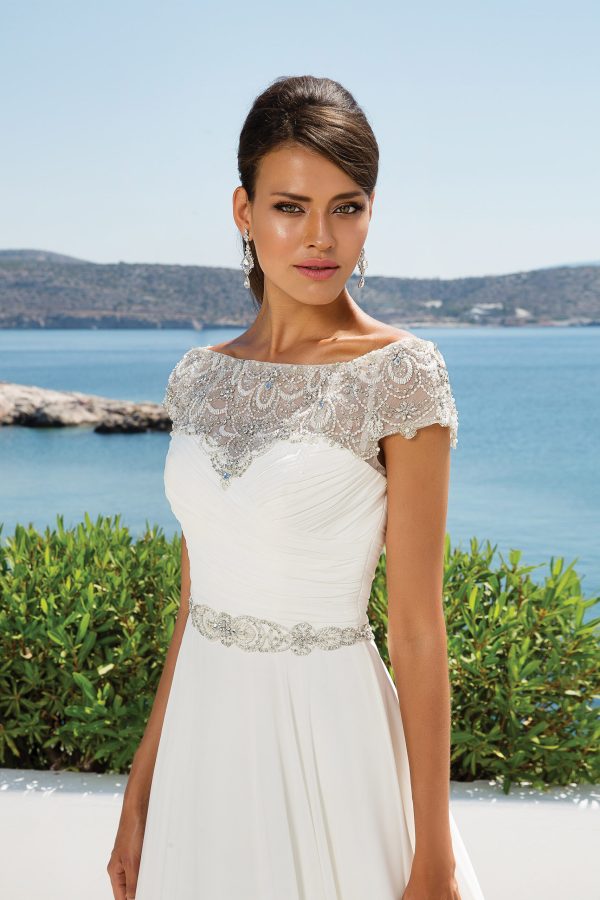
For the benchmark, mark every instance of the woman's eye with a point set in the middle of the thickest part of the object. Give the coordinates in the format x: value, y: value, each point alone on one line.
x: 357, y: 207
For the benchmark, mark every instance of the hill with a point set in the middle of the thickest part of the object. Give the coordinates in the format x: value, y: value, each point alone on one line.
x: 39, y: 289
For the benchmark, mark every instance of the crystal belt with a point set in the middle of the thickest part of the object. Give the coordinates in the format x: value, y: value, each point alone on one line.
x: 252, y: 633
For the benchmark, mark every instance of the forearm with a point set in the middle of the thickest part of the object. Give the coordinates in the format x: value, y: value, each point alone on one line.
x: 142, y: 769
x: 420, y: 663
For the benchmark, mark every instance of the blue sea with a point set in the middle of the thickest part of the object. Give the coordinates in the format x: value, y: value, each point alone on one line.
x: 525, y: 473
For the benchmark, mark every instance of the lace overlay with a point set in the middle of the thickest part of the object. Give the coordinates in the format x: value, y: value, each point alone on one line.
x: 240, y: 407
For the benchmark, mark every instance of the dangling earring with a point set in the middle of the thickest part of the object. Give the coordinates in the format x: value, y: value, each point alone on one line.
x: 362, y: 265
x: 248, y: 260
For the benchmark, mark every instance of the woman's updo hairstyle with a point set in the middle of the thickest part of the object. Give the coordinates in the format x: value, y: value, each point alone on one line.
x: 317, y: 113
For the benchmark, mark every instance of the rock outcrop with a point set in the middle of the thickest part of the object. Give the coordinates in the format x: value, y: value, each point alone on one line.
x: 35, y: 407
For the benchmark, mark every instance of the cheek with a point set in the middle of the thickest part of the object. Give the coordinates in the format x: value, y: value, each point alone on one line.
x: 278, y: 239
x: 281, y: 231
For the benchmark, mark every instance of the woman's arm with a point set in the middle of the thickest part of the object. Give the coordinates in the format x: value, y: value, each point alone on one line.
x: 418, y: 471
x: 140, y: 776
x: 124, y: 863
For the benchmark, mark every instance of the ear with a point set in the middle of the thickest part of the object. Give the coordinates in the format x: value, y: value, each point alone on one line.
x: 241, y: 209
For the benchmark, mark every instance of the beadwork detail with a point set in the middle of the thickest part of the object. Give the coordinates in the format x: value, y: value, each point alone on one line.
x: 255, y: 634
x: 239, y: 408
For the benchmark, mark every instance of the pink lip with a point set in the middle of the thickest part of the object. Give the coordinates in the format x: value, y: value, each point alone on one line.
x: 320, y: 274
x: 322, y: 263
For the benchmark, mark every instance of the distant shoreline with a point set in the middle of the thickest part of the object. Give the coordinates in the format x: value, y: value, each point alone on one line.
x: 189, y: 326
x: 39, y: 292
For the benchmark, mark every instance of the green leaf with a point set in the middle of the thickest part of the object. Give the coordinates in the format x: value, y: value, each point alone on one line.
x: 85, y: 684
x: 83, y: 627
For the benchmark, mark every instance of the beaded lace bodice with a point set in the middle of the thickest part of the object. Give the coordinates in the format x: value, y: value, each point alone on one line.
x: 240, y: 407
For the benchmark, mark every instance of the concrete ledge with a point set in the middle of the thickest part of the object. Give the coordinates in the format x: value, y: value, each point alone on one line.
x: 57, y: 830
x: 531, y: 845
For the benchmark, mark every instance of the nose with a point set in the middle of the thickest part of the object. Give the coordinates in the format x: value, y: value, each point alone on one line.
x: 318, y: 231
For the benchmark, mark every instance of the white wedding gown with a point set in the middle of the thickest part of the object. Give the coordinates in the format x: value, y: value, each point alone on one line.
x: 283, y: 774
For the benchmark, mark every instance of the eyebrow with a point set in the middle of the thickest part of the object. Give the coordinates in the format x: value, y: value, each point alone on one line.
x: 347, y: 195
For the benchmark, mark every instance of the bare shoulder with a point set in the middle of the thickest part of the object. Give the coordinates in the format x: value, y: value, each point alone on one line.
x: 385, y: 335
x: 224, y: 347
x: 352, y: 346
x: 395, y: 334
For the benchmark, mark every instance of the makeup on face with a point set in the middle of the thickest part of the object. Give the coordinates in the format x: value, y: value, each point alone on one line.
x: 317, y: 269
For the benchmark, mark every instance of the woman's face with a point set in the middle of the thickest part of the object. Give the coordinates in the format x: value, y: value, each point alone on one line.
x: 297, y: 215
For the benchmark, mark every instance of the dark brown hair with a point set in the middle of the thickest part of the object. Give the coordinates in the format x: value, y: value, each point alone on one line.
x: 317, y: 113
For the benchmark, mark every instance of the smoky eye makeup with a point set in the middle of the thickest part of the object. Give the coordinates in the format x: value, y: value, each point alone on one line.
x: 355, y: 203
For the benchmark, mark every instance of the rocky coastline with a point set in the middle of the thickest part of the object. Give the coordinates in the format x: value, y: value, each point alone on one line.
x: 36, y: 407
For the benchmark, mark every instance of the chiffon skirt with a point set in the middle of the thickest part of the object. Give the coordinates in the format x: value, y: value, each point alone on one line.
x: 282, y: 777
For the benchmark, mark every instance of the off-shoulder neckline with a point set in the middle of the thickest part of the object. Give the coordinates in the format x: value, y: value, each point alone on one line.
x: 331, y: 365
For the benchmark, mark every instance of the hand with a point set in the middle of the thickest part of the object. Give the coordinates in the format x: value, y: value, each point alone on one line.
x: 124, y: 863
x: 432, y: 878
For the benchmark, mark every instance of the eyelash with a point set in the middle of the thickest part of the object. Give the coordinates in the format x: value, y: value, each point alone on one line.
x: 359, y: 207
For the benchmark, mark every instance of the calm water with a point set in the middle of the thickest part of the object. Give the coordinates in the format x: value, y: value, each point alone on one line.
x: 525, y: 473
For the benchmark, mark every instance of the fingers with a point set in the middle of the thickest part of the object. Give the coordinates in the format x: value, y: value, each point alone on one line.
x: 131, y: 874
x: 117, y: 879
x: 123, y: 873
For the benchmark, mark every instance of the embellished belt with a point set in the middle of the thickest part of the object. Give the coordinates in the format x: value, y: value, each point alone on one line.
x: 252, y: 633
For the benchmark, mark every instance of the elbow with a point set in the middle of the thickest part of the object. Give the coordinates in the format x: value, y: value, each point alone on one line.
x: 417, y: 640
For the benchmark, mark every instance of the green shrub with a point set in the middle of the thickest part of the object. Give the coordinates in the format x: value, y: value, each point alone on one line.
x: 87, y: 614
x: 524, y: 669
x: 85, y: 621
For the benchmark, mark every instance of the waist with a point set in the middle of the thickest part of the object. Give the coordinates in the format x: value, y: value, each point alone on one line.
x: 254, y: 633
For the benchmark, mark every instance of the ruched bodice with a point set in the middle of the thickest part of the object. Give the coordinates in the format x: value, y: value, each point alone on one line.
x: 299, y: 535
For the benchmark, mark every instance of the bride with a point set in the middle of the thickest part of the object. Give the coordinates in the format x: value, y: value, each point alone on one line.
x: 298, y: 450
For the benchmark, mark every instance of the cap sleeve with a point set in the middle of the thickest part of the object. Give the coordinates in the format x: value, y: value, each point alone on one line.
x: 176, y: 400
x: 413, y: 391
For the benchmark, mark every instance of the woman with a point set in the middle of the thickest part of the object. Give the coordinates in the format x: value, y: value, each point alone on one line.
x: 297, y: 450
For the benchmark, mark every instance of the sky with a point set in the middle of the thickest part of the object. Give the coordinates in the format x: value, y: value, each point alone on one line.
x: 120, y: 124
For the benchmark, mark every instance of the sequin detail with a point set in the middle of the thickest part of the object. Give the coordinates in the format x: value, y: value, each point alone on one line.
x: 263, y: 635
x: 239, y: 408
